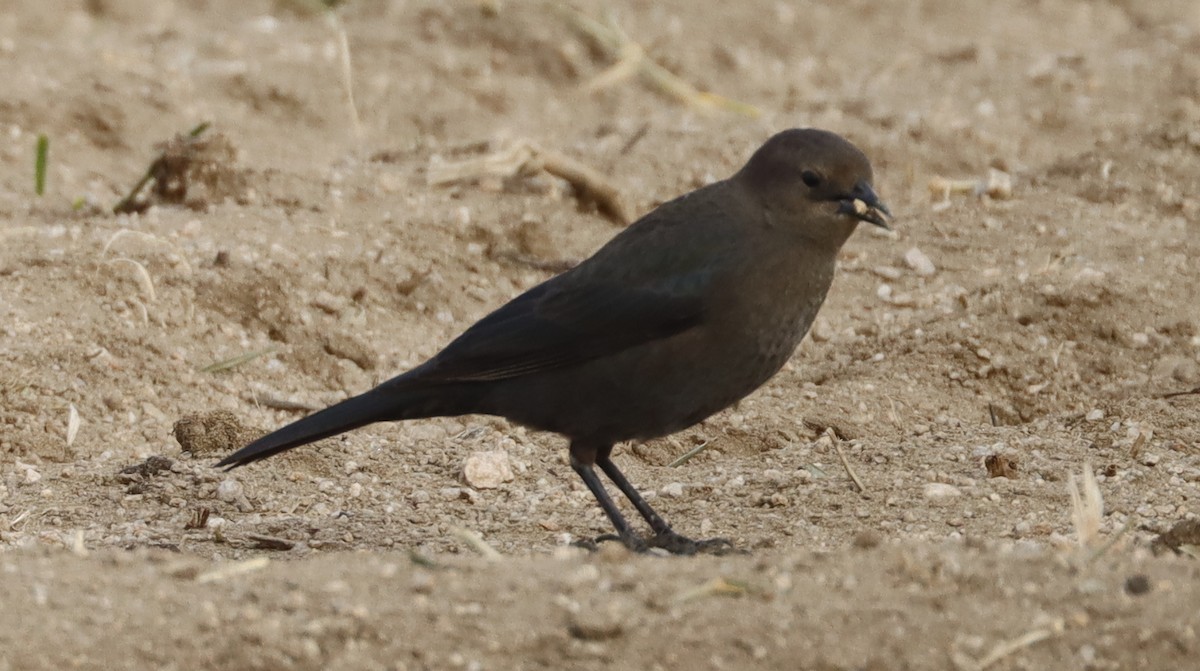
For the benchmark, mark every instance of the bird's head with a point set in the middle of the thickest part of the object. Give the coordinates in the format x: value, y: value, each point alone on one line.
x: 815, y: 180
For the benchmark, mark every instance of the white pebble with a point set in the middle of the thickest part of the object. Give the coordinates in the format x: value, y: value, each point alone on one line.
x: 941, y: 490
x: 673, y: 490
x: 918, y: 261
x: 229, y: 490
x: 487, y: 469
x: 999, y: 185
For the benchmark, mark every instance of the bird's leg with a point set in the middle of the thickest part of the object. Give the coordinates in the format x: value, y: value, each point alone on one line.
x: 664, y: 536
x: 582, y: 460
x: 657, y: 524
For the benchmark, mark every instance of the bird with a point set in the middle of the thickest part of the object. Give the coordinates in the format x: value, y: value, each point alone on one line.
x: 680, y: 315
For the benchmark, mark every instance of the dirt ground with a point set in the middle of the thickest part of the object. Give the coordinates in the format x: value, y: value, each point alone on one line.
x: 1033, y: 317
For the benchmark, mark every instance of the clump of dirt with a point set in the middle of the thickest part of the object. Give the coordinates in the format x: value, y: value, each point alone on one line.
x: 211, y: 433
x: 196, y: 170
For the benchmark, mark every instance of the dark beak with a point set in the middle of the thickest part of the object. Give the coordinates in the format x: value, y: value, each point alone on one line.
x: 864, y: 205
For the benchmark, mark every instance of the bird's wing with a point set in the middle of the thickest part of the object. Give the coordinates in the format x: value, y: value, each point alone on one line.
x: 565, y: 322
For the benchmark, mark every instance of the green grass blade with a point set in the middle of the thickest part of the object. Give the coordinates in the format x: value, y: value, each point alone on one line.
x: 39, y: 164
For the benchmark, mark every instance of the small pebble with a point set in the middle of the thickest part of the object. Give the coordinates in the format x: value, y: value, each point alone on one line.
x: 673, y: 490
x: 229, y: 490
x: 487, y: 469
x: 919, y: 262
x: 1137, y: 585
x: 941, y: 490
x: 867, y: 539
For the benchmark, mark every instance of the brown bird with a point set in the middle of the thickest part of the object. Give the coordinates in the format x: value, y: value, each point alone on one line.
x: 679, y: 316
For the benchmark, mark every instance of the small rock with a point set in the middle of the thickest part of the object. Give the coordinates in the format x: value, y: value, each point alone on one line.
x: 1094, y: 415
x: 919, y: 262
x: 1000, y: 466
x: 598, y: 623
x: 229, y: 490
x: 1182, y: 538
x: 1137, y: 585
x: 487, y: 469
x: 867, y: 539
x: 999, y: 185
x: 820, y: 331
x: 941, y: 490
x: 1177, y: 369
x: 890, y: 273
x: 212, y: 432
x: 673, y: 490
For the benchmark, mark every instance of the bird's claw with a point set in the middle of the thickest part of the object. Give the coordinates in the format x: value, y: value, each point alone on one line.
x: 682, y: 545
x: 667, y: 541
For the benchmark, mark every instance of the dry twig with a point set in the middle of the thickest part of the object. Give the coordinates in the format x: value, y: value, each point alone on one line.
x: 1010, y: 647
x: 686, y: 456
x: 474, y: 541
x: 130, y: 203
x: 837, y: 445
x: 233, y: 569
x: 630, y: 58
x: 276, y: 403
x: 1087, y: 507
x: 525, y: 156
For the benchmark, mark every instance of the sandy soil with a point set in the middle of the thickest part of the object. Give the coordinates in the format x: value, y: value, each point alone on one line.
x: 297, y: 251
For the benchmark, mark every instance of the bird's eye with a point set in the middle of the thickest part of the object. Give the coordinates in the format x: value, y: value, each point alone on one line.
x: 811, y: 179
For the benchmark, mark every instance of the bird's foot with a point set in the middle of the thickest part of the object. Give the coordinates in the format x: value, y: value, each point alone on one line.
x: 682, y: 545
x: 632, y: 542
x: 667, y: 541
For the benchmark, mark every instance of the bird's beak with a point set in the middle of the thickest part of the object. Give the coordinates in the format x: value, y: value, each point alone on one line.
x: 863, y: 204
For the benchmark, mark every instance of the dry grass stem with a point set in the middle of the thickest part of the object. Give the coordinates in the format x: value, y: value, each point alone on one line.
x: 627, y: 65
x: 837, y: 445
x: 474, y: 541
x: 180, y: 260
x: 72, y: 424
x: 276, y: 403
x: 503, y: 164
x: 687, y: 456
x: 630, y: 56
x: 1008, y: 648
x: 714, y: 587
x: 143, y: 277
x: 1108, y: 544
x: 588, y: 182
x: 236, y: 361
x: 524, y: 156
x: 77, y: 546
x: 233, y: 569
x: 347, y: 74
x: 1087, y: 507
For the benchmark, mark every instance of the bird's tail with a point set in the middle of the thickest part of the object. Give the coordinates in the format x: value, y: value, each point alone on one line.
x: 376, y: 405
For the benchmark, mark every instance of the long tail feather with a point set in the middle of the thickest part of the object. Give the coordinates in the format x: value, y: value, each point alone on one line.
x: 340, y: 418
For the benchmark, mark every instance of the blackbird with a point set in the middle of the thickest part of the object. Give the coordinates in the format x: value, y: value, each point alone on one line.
x: 679, y: 316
